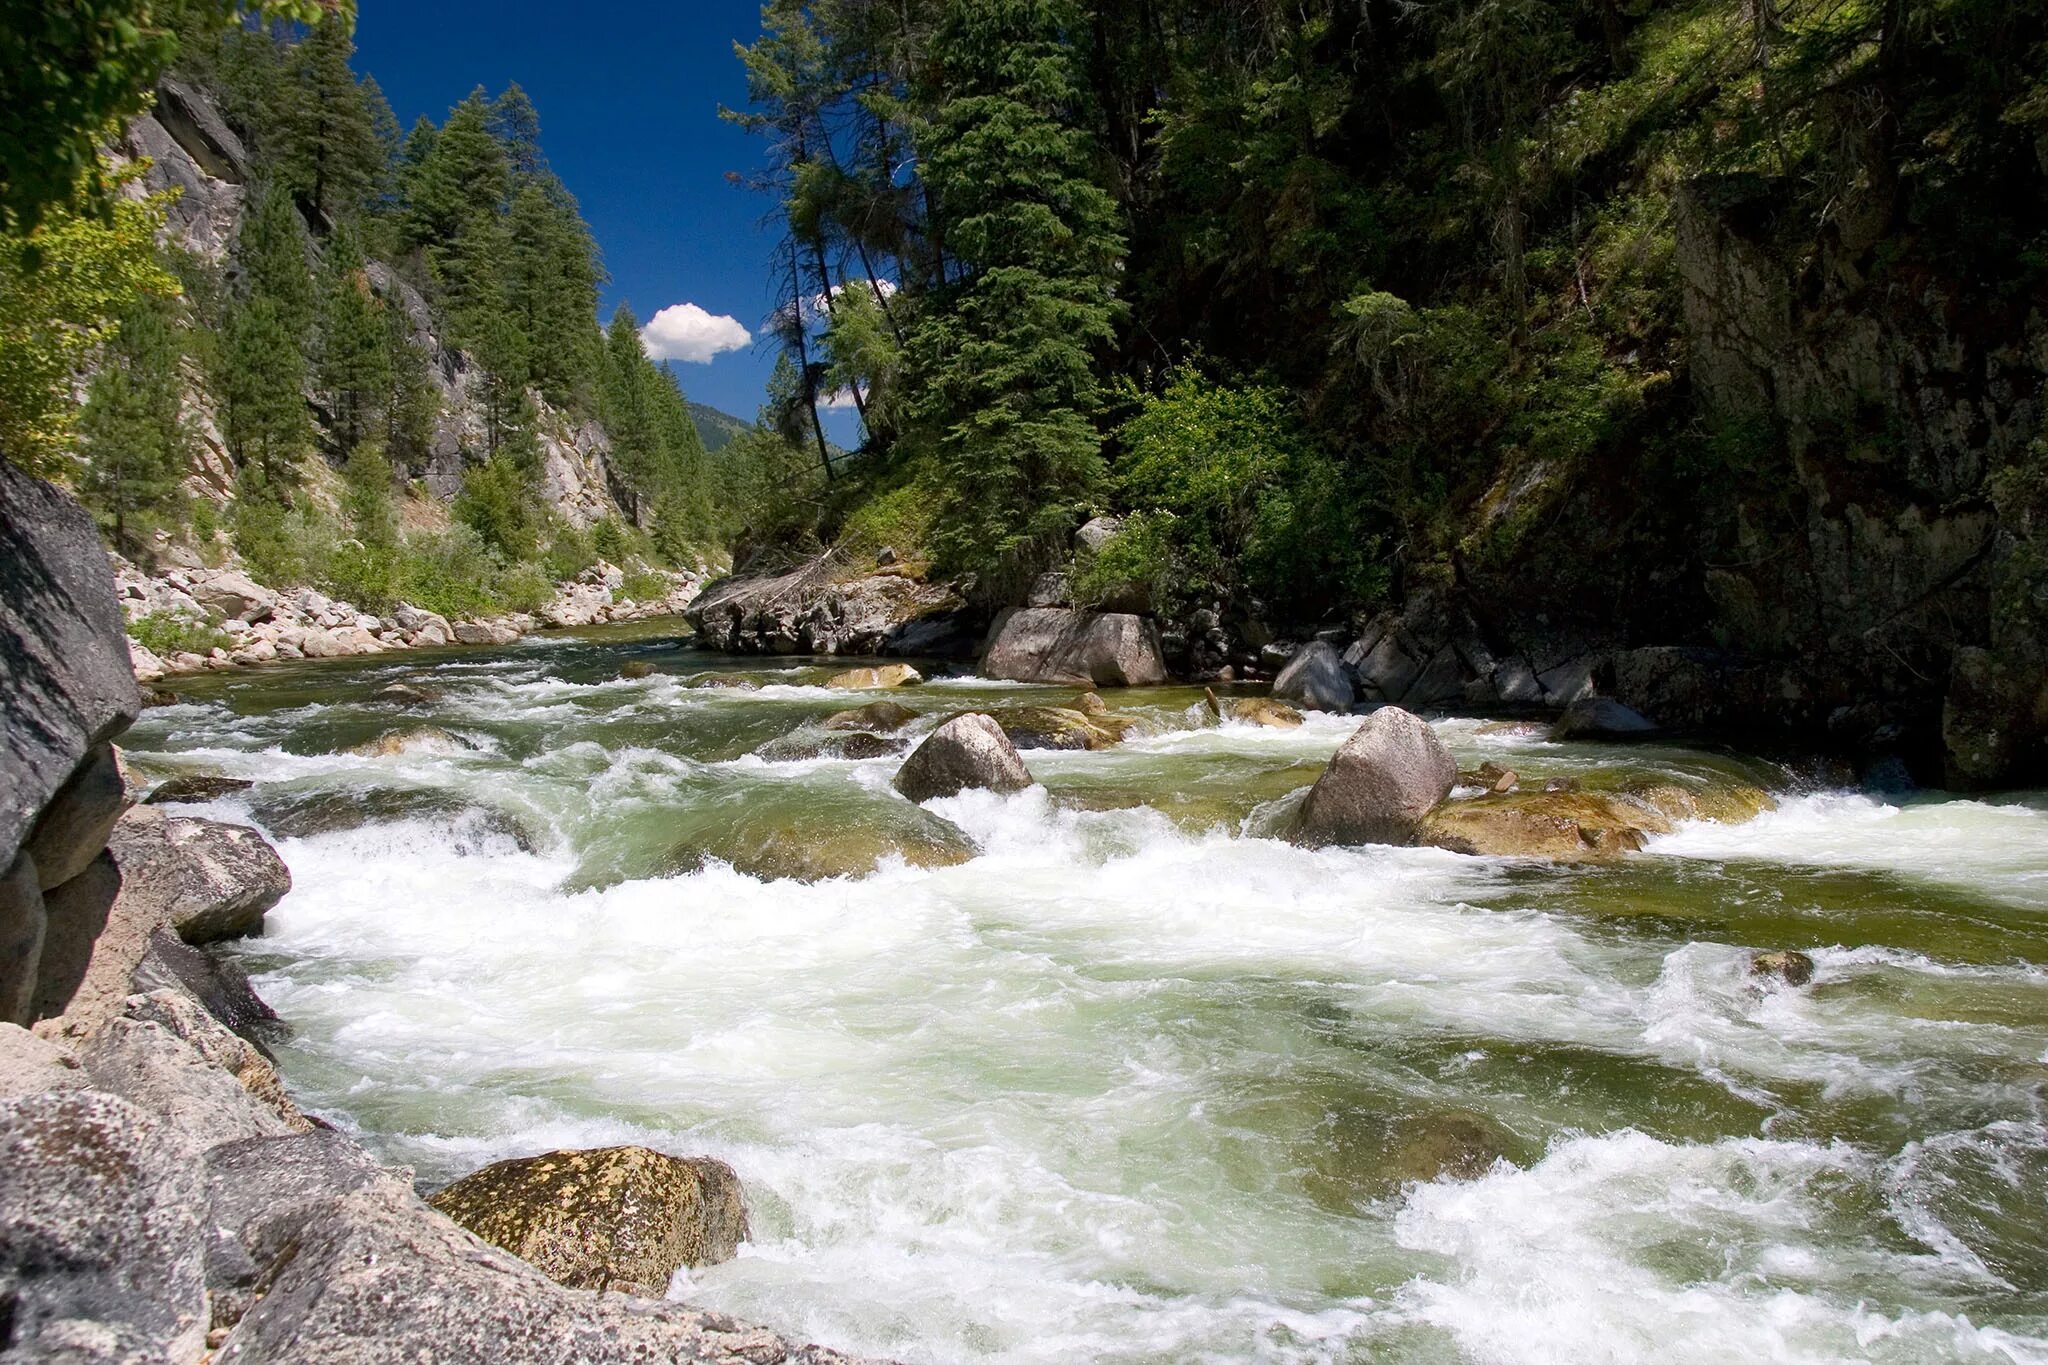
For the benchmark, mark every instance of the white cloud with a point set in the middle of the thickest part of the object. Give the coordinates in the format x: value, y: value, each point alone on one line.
x: 683, y: 331
x: 839, y: 398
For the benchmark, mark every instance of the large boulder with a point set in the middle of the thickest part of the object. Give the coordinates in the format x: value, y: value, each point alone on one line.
x: 621, y: 1218
x: 204, y: 879
x: 102, y: 1243
x: 73, y: 827
x: 884, y: 716
x: 967, y: 751
x: 67, y: 685
x: 1376, y: 790
x: 1074, y: 648
x: 233, y: 595
x: 1316, y: 678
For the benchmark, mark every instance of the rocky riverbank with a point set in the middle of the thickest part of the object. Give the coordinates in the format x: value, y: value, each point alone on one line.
x: 165, y: 1199
x: 259, y: 625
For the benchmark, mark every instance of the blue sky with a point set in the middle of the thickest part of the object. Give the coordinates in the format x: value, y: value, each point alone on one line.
x: 628, y: 98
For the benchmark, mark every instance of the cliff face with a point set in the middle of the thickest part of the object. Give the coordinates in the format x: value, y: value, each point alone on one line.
x: 1866, y: 546
x: 192, y: 150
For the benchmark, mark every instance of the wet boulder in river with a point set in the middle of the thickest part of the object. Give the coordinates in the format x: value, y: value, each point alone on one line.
x: 1274, y: 715
x: 885, y: 716
x: 888, y: 675
x: 415, y: 739
x: 967, y: 751
x: 1561, y: 827
x: 634, y: 669
x: 617, y: 1218
x: 1060, y: 727
x: 1075, y: 648
x: 1316, y: 678
x: 195, y: 788
x: 1793, y: 968
x: 1377, y: 789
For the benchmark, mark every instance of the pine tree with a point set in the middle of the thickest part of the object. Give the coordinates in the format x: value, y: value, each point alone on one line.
x: 367, y: 498
x: 509, y: 415
x: 551, y: 279
x: 355, y: 358
x: 273, y: 253
x: 411, y: 402
x: 134, y: 433
x: 1009, y: 389
x: 263, y: 410
x: 626, y: 399
x: 516, y: 124
x: 324, y: 137
x: 456, y: 183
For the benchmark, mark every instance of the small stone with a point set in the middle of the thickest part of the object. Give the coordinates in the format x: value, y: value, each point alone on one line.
x: 634, y: 669
x: 1793, y: 968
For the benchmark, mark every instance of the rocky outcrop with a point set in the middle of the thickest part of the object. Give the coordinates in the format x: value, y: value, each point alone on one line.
x: 1074, y: 648
x: 66, y: 690
x: 810, y: 610
x: 204, y: 880
x: 619, y: 1218
x: 1316, y: 677
x: 966, y: 752
x: 1380, y: 785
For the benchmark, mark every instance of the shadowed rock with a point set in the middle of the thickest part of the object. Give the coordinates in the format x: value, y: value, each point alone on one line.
x: 195, y: 790
x: 1316, y: 678
x: 1074, y: 648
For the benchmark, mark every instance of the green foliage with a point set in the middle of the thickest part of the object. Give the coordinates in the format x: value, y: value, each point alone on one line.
x: 280, y: 544
x: 523, y: 587
x: 71, y: 72
x: 260, y: 388
x: 899, y: 519
x: 1004, y: 370
x: 1144, y: 556
x: 410, y: 403
x: 450, y: 572
x: 63, y: 289
x: 657, y: 457
x: 165, y: 633
x: 498, y: 504
x: 322, y: 129
x: 644, y: 585
x: 355, y: 361
x: 367, y: 500
x: 1233, y: 495
x: 273, y: 253
x: 134, y: 433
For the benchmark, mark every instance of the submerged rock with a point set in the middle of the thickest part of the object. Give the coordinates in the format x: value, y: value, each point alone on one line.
x: 634, y: 669
x: 1793, y: 968
x: 404, y: 694
x: 1573, y: 825
x: 1380, y: 784
x: 1563, y: 827
x: 1059, y: 727
x: 1316, y: 677
x: 195, y: 790
x: 1491, y: 778
x: 1264, y: 711
x: 1075, y: 648
x: 824, y: 846
x: 967, y: 751
x: 732, y: 682
x: 886, y: 716
x: 620, y: 1218
x: 1361, y: 1155
x: 1602, y: 718
x: 414, y: 739
x: 887, y: 675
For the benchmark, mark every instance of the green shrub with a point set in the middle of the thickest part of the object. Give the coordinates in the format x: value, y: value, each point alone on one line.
x: 165, y: 633
x: 1141, y: 555
x: 451, y: 572
x: 524, y: 587
x: 899, y: 519
x: 644, y: 585
x: 363, y: 574
x: 282, y: 545
x: 569, y: 552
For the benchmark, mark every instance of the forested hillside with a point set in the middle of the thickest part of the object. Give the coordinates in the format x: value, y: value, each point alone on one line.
x: 356, y: 358
x: 1714, y: 323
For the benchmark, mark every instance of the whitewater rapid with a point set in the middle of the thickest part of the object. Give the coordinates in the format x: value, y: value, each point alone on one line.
x: 1121, y: 1087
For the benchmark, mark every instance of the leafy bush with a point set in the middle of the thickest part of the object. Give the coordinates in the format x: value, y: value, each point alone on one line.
x: 524, y: 587
x: 899, y: 519
x: 644, y: 585
x: 365, y: 575
x: 1231, y: 494
x: 165, y: 633
x: 451, y: 572
x: 497, y: 504
x: 282, y: 545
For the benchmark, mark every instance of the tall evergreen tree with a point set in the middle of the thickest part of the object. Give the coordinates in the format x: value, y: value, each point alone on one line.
x: 626, y: 398
x: 263, y: 408
x: 1007, y: 387
x: 551, y: 279
x: 275, y: 261
x: 411, y: 402
x: 516, y: 124
x: 456, y: 178
x: 354, y: 355
x: 137, y: 440
x: 323, y: 134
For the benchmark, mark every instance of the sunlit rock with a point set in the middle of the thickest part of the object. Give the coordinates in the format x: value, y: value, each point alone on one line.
x: 967, y: 751
x: 1379, y: 786
x: 888, y: 675
x: 618, y: 1218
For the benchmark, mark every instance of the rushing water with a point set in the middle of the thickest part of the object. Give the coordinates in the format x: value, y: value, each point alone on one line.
x: 1136, y: 1084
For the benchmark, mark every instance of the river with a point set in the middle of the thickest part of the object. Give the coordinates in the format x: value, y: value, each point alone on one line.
x: 1134, y: 1083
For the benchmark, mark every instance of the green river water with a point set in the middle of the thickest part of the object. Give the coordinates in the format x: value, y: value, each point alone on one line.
x: 1134, y: 1082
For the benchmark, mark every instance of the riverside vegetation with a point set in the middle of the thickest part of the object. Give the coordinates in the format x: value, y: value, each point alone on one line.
x: 1637, y: 376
